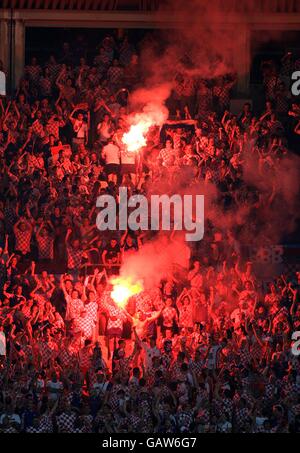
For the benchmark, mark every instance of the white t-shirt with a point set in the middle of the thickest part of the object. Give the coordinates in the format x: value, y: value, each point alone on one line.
x: 213, y: 357
x: 101, y: 387
x: 150, y: 353
x: 236, y: 317
x: 80, y: 128
x: 104, y: 130
x: 260, y: 420
x: 225, y: 427
x: 127, y: 157
x: 2, y: 343
x: 54, y: 386
x: 40, y: 385
x: 74, y: 308
x: 111, y: 154
x: 13, y: 418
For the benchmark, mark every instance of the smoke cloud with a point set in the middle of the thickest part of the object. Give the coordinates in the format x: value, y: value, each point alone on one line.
x: 202, y: 48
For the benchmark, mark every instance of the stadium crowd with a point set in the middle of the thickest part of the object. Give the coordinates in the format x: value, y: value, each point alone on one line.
x: 210, y: 348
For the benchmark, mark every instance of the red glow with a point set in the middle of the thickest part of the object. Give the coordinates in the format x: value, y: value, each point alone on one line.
x: 154, y: 114
x: 123, y: 289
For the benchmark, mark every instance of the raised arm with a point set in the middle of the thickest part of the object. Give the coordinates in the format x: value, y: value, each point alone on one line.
x: 63, y: 287
x: 297, y: 128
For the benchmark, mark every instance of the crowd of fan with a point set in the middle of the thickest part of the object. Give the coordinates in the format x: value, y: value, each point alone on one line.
x: 206, y: 351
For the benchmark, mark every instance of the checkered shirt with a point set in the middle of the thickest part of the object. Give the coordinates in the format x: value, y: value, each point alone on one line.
x: 168, y: 314
x: 166, y: 155
x: 45, y: 86
x: 66, y: 357
x: 270, y: 391
x: 45, y: 247
x: 52, y: 128
x: 227, y: 406
x: 33, y: 73
x: 74, y: 257
x: 38, y: 129
x: 92, y: 310
x: 115, y: 74
x: 143, y: 302
x: 186, y: 316
x: 256, y: 351
x: 188, y: 86
x: 241, y: 416
x: 47, y: 351
x: 289, y: 388
x: 32, y: 430
x: 116, y: 317
x: 65, y: 422
x: 185, y: 418
x: 166, y: 360
x: 85, y: 357
x: 54, y: 70
x: 135, y: 422
x: 223, y: 95
x: 86, y: 325
x: 114, y: 399
x: 102, y: 61
x: 197, y: 367
x: 23, y: 239
x: 204, y: 101
x: 10, y: 430
x: 87, y: 422
x: 74, y: 308
x: 270, y: 84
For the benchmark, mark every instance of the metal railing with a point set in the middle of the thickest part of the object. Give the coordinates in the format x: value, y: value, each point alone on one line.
x: 224, y: 6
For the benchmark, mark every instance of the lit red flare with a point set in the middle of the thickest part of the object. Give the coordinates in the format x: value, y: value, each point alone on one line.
x: 123, y: 289
x: 136, y: 137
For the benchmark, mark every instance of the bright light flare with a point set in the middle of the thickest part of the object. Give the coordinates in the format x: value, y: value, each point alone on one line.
x: 123, y: 289
x: 153, y: 115
x: 135, y: 138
